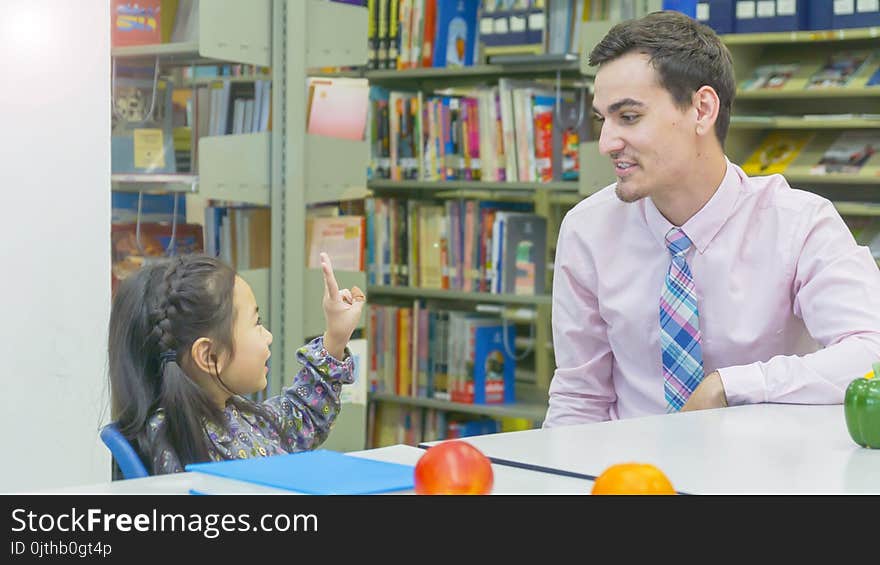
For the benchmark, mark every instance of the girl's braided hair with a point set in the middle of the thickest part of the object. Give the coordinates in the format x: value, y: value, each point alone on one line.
x: 158, y: 314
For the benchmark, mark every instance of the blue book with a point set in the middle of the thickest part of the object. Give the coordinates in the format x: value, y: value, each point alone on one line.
x: 717, y: 14
x: 456, y: 35
x: 315, y: 472
x: 493, y: 366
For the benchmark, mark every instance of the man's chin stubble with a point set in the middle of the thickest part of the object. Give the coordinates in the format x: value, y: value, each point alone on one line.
x: 624, y: 197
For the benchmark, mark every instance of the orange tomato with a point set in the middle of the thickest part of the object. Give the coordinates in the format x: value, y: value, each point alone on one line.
x: 453, y: 467
x: 632, y: 478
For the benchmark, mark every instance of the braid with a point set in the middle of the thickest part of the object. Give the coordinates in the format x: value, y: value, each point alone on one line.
x: 167, y: 309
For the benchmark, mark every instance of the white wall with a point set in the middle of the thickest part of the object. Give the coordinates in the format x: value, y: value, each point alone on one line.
x: 54, y: 241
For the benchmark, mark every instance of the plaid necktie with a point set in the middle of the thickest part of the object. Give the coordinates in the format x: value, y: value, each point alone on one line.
x: 679, y: 326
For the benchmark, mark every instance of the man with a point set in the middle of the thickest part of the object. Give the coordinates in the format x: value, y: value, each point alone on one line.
x: 686, y: 284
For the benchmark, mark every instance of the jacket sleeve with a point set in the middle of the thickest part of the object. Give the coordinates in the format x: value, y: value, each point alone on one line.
x: 305, y: 411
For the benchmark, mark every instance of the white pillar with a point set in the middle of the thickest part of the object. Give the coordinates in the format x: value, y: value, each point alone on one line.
x: 54, y: 241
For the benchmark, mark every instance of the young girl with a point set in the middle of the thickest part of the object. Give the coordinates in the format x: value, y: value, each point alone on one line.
x: 186, y: 342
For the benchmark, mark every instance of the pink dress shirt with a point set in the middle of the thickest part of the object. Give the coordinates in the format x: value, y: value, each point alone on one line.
x: 789, y: 304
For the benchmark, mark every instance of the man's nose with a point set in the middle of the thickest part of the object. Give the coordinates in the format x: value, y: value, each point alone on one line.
x: 609, y: 140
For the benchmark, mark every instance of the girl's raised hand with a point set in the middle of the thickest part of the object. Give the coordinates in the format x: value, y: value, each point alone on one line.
x: 342, y: 310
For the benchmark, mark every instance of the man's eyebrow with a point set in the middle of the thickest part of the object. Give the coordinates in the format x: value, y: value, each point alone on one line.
x: 618, y: 105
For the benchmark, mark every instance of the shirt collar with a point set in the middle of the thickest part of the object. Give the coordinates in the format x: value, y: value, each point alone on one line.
x: 703, y: 226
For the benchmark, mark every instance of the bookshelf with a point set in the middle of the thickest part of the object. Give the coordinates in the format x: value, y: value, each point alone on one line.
x: 827, y: 112
x: 550, y: 199
x: 391, y: 186
x: 282, y: 169
x: 231, y: 168
x: 455, y: 296
x: 155, y: 183
x: 534, y: 411
x: 306, y: 170
x: 227, y: 31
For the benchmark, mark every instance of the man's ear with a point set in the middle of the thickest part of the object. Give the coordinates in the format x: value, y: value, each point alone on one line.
x: 205, y: 357
x: 707, y: 106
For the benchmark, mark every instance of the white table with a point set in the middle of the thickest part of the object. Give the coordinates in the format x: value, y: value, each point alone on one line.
x: 755, y: 449
x: 507, y: 480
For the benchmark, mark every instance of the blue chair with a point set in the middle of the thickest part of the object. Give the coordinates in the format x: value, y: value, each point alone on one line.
x: 123, y: 453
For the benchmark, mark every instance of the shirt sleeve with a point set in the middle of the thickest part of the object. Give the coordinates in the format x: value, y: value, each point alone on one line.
x: 581, y: 390
x: 306, y: 410
x: 836, y: 292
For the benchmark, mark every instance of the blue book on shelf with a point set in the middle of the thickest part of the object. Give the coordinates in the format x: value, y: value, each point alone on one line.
x: 760, y: 17
x: 456, y: 34
x: 855, y: 14
x: 314, y: 472
x: 820, y: 15
x: 717, y: 14
x: 875, y: 78
x: 687, y: 7
x: 493, y: 366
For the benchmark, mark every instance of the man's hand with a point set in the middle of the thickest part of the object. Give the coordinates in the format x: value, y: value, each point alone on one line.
x: 708, y: 394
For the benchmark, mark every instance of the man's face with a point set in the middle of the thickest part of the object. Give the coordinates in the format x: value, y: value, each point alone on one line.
x: 651, y: 142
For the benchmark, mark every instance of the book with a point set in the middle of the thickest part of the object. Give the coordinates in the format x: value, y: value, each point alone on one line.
x: 315, y: 472
x: 482, y: 362
x: 776, y: 152
x: 874, y: 79
x: 839, y: 69
x: 342, y: 238
x: 848, y: 153
x: 338, y: 108
x: 524, y: 254
x: 769, y: 77
x: 456, y: 33
x: 135, y: 23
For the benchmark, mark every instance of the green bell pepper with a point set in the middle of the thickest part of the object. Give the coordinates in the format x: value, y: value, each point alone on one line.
x: 862, y: 409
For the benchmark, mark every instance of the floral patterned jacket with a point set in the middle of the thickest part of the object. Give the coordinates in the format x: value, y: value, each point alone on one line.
x: 300, y: 417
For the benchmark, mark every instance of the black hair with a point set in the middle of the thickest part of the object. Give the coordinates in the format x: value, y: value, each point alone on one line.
x: 157, y: 315
x: 686, y: 54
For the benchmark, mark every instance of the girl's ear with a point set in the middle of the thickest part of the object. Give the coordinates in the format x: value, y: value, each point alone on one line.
x: 204, y: 357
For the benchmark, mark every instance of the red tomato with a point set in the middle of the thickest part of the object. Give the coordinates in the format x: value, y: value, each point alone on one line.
x: 453, y: 467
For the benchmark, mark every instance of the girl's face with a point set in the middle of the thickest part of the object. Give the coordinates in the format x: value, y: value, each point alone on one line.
x: 246, y: 372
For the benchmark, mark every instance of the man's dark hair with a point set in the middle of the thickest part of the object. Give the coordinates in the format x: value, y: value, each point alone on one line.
x: 685, y: 53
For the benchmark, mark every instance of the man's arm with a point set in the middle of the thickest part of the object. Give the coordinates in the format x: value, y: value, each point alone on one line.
x: 581, y: 390
x: 837, y: 294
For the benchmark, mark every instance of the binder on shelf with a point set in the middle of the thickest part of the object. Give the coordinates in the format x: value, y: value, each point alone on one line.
x: 717, y: 14
x: 769, y: 16
x: 314, y: 472
x: 687, y: 7
x: 855, y: 13
x: 820, y: 15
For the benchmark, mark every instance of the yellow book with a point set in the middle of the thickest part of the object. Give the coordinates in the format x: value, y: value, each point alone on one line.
x: 776, y: 152
x: 404, y: 337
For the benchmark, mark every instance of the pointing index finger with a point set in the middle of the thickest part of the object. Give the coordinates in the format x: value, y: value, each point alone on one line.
x: 331, y: 287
